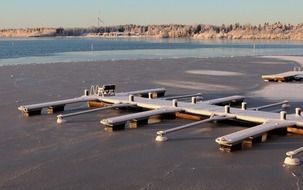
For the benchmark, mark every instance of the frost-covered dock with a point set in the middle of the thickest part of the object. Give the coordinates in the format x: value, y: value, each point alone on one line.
x: 213, y: 110
x: 284, y: 77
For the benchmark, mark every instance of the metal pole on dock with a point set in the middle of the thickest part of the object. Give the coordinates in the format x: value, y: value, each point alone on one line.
x: 60, y: 118
x: 161, y: 134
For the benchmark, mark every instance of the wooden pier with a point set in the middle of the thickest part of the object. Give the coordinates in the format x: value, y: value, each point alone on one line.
x: 92, y: 98
x: 284, y: 77
x: 135, y: 119
x: 214, y: 110
x: 54, y: 106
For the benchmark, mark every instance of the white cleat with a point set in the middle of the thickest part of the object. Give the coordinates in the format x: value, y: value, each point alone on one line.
x: 292, y: 161
x: 161, y: 138
x: 60, y: 120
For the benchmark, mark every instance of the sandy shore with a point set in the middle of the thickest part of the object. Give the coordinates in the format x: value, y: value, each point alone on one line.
x: 36, y: 153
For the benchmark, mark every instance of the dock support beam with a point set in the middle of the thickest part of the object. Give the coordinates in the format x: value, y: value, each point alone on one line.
x: 160, y: 94
x: 248, y: 143
x: 55, y: 109
x: 115, y: 128
x: 32, y: 112
x: 295, y: 130
x: 230, y: 148
x: 96, y: 104
x: 133, y: 124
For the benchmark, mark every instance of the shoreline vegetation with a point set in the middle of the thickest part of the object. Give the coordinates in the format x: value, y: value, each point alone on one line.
x: 266, y: 31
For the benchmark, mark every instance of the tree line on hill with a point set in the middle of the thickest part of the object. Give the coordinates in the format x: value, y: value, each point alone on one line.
x: 201, y: 31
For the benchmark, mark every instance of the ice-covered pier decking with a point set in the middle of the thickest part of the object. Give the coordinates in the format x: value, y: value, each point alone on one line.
x: 214, y: 110
x: 248, y: 136
x: 119, y: 122
x: 54, y: 106
x: 92, y: 96
x: 268, y: 121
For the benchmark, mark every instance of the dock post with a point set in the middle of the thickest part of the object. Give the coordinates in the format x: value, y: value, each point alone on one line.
x: 244, y: 106
x: 175, y: 103
x: 131, y: 98
x: 86, y: 92
x: 150, y: 95
x: 298, y: 111
x: 227, y: 109
x: 283, y: 115
x: 193, y: 100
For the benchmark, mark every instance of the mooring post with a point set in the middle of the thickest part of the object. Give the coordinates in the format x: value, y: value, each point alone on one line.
x: 131, y: 98
x: 175, y: 103
x: 150, y: 95
x: 193, y: 100
x: 244, y: 106
x: 86, y: 92
x: 283, y: 115
x: 298, y: 111
x: 227, y: 109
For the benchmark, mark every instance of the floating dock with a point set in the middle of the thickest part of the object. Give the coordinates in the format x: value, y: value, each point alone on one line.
x: 133, y: 120
x: 54, y: 106
x: 149, y: 100
x: 91, y: 97
x: 284, y: 77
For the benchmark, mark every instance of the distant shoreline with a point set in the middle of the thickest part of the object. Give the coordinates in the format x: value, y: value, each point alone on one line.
x: 276, y: 31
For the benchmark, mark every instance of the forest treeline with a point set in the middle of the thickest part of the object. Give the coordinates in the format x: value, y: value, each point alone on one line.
x: 200, y: 31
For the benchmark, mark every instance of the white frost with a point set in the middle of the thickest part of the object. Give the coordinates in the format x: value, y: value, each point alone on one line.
x: 213, y: 73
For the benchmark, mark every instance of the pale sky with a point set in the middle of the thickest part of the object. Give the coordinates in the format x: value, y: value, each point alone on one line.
x: 84, y: 13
